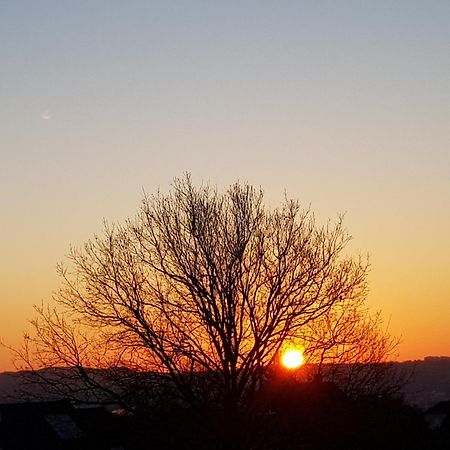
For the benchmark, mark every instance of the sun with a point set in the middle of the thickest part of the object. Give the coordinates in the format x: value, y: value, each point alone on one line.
x: 292, y: 359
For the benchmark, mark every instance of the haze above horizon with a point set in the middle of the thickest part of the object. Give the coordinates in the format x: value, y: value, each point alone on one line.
x: 345, y: 106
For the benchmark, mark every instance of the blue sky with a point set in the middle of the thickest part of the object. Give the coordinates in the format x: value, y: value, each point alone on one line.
x: 345, y: 105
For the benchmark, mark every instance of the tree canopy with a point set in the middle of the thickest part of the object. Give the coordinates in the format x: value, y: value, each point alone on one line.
x: 205, y: 288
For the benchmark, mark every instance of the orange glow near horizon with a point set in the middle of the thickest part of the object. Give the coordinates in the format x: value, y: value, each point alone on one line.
x: 292, y: 359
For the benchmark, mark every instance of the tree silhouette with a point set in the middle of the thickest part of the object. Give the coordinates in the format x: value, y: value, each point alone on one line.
x: 349, y: 346
x: 201, y: 290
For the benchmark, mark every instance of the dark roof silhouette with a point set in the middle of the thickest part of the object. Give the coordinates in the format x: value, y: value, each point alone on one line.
x: 56, y: 425
x: 440, y: 408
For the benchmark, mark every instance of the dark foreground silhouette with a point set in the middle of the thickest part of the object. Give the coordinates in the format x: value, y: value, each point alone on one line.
x: 287, y: 415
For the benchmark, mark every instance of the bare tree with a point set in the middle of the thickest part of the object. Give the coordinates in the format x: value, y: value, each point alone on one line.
x: 349, y: 346
x: 203, y: 287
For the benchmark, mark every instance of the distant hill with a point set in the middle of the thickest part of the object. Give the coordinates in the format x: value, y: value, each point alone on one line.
x: 12, y: 389
x: 429, y: 382
x: 10, y: 382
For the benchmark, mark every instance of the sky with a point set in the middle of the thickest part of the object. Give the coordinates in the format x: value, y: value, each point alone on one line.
x: 343, y: 105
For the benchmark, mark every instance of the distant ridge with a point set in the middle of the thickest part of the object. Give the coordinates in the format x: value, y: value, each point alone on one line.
x: 429, y: 382
x: 437, y: 358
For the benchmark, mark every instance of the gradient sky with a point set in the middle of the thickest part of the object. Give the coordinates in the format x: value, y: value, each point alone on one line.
x: 345, y: 105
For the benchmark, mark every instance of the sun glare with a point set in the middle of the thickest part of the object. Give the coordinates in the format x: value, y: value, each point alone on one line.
x: 292, y: 359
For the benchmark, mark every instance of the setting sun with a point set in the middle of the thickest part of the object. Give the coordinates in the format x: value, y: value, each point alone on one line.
x: 292, y: 359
